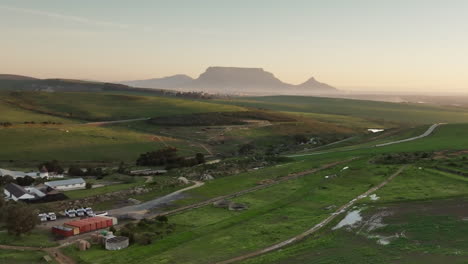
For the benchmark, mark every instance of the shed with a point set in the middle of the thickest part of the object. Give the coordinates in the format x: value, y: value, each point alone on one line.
x: 65, y: 185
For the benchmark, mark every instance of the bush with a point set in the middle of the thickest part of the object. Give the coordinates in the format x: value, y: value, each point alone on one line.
x: 89, y: 185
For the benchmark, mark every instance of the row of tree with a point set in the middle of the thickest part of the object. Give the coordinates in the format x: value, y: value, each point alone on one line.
x: 23, y: 181
x: 168, y: 157
x: 6, y: 124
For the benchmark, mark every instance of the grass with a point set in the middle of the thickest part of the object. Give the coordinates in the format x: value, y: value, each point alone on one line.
x: 372, y: 110
x: 77, y: 194
x: 80, y: 143
x: 102, y: 106
x: 274, y: 214
x: 20, y: 257
x: 423, y: 184
x: 15, y: 115
x: 37, y: 238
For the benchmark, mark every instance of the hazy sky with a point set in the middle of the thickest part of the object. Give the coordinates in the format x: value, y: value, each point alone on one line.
x: 376, y: 44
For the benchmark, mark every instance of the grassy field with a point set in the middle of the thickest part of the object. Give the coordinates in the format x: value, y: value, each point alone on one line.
x: 80, y: 142
x: 101, y: 106
x: 37, y: 238
x: 14, y: 115
x: 427, y: 209
x: 274, y: 214
x: 378, y: 112
x: 20, y: 257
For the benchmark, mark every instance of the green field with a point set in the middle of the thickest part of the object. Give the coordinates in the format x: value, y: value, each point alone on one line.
x: 101, y: 106
x: 20, y: 257
x: 379, y: 112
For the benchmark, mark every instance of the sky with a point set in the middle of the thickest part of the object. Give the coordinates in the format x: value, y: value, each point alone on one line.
x: 373, y: 45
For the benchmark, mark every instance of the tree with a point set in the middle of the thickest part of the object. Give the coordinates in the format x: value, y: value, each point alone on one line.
x: 200, y: 158
x: 122, y: 168
x: 75, y: 171
x: 89, y: 185
x: 246, y: 149
x: 25, y: 181
x: 162, y: 219
x: 112, y: 229
x: 6, y: 179
x: 300, y: 139
x: 51, y: 166
x: 20, y: 219
x: 160, y: 157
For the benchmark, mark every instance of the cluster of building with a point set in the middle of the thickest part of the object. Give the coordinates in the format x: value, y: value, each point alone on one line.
x: 50, y: 190
x: 43, y: 173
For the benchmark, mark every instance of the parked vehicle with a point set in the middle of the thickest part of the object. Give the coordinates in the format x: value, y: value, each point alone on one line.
x: 80, y: 212
x: 89, y: 211
x: 42, y: 217
x: 102, y: 214
x: 70, y: 213
x: 51, y: 216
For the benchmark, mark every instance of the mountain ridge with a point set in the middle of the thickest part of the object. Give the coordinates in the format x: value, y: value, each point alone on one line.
x: 234, y: 80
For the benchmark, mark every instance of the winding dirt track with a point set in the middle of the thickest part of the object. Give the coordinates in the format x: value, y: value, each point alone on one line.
x: 428, y: 132
x: 314, y: 228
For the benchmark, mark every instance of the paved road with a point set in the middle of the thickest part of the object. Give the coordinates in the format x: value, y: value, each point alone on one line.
x: 314, y: 229
x: 425, y: 134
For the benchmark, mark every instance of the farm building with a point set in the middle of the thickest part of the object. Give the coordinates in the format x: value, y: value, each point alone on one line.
x: 35, y: 174
x: 116, y: 243
x: 66, y: 185
x: 37, y: 194
x: 15, y: 192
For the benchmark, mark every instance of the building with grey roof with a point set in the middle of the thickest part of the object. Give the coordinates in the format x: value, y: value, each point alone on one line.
x: 66, y: 185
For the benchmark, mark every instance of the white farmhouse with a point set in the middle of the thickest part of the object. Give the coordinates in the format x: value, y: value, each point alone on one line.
x: 15, y: 192
x: 66, y: 185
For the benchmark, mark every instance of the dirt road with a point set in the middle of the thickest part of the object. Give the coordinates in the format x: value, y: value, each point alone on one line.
x: 116, y: 121
x: 317, y: 227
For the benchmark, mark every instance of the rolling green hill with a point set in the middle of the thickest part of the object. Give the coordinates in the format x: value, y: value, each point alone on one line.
x: 101, y: 106
x: 373, y: 110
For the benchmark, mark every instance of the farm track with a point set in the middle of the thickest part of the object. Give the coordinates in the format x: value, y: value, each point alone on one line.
x: 289, y: 177
x: 315, y: 228
x: 428, y: 132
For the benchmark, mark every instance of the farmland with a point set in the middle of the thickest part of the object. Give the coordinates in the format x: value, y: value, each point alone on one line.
x: 274, y: 213
x: 376, y: 111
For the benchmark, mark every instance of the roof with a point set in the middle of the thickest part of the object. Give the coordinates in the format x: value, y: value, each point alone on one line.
x: 65, y: 182
x: 15, y: 190
x: 116, y: 239
x: 86, y: 221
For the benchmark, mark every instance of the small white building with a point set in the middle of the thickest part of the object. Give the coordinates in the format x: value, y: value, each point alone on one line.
x: 67, y: 185
x: 15, y: 192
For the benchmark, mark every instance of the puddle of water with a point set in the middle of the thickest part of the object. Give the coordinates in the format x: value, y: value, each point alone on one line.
x: 350, y: 219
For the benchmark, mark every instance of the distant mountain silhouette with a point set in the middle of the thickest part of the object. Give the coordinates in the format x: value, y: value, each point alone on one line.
x: 15, y: 77
x: 162, y: 83
x: 316, y: 85
x: 234, y: 80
